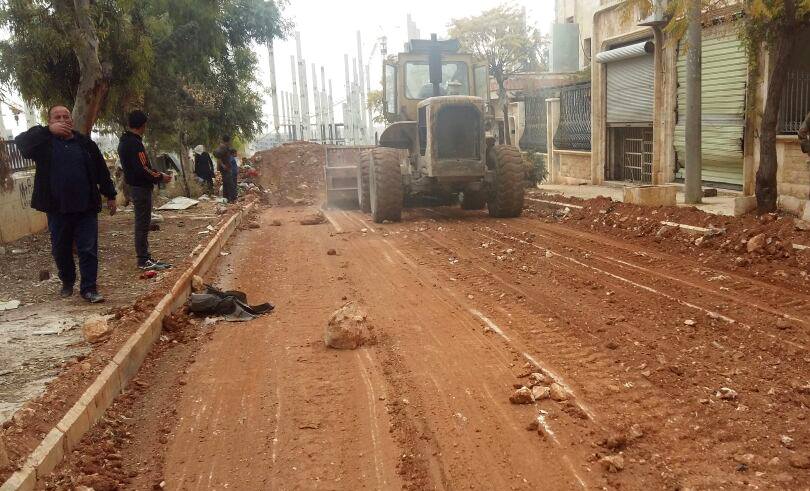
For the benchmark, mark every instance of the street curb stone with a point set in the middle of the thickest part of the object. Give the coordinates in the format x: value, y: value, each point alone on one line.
x: 90, y: 407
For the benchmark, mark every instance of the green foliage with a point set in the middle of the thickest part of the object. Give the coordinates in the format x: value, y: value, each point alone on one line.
x: 501, y: 37
x: 376, y: 103
x: 188, y: 63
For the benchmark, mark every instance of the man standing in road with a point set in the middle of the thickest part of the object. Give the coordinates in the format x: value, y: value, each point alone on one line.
x: 141, y: 177
x: 223, y: 154
x: 71, y: 175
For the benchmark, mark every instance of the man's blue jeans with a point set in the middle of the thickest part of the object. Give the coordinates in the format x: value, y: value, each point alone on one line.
x: 81, y: 229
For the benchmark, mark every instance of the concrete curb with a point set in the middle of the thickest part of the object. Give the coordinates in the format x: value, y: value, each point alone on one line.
x: 68, y: 432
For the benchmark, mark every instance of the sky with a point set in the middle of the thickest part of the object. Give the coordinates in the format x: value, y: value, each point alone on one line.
x: 328, y: 31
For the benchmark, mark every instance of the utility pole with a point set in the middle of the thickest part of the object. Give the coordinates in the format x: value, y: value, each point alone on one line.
x: 273, y: 93
x: 294, y: 102
x: 324, y: 106
x: 284, y: 116
x: 316, y: 99
x: 302, y: 80
x: 347, y: 107
x: 694, y: 165
x: 333, y: 130
x: 361, y: 93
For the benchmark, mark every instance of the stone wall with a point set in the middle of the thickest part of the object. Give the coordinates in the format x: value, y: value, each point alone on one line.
x: 574, y: 167
x: 793, y: 175
x: 17, y: 218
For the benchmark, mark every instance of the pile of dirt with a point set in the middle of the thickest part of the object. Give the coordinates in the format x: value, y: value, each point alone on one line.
x: 292, y: 172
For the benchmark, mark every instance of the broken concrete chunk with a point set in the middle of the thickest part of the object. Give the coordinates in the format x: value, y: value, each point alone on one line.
x: 539, y: 392
x: 96, y: 329
x: 755, y: 243
x: 314, y: 219
x: 536, y: 378
x: 727, y: 394
x: 612, y: 463
x: 197, y: 284
x: 557, y: 392
x: 347, y: 328
x: 521, y: 396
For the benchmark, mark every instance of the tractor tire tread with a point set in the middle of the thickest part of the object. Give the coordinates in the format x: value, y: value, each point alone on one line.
x: 506, y: 192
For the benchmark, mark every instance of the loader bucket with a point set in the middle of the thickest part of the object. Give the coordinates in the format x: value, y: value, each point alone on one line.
x: 341, y: 175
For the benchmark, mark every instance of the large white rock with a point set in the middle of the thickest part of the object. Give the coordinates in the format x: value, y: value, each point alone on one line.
x: 347, y: 328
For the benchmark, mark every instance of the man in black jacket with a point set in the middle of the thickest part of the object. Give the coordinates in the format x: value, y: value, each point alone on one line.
x: 141, y: 177
x: 204, y: 168
x: 71, y: 175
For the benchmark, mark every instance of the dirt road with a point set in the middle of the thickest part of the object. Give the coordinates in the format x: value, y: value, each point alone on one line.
x: 673, y: 374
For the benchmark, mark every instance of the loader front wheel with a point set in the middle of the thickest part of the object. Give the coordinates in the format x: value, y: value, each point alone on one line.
x: 506, y: 191
x: 363, y: 184
x: 385, y: 181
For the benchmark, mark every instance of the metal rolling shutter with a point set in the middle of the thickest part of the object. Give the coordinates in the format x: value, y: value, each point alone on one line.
x: 630, y: 80
x: 725, y: 74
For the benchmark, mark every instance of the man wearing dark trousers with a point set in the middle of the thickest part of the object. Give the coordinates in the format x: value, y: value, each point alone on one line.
x: 141, y: 177
x: 71, y: 175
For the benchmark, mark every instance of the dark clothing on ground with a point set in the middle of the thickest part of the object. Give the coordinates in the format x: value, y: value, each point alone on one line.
x: 142, y: 202
x: 138, y: 171
x: 203, y: 166
x: 81, y: 228
x: 70, y: 184
x: 37, y: 144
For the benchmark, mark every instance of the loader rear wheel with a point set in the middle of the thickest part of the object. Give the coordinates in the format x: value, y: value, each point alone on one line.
x: 363, y: 184
x: 506, y: 191
x: 473, y: 200
x: 385, y: 181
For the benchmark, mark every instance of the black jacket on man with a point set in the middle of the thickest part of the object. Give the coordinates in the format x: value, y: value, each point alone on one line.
x: 37, y: 144
x: 137, y: 169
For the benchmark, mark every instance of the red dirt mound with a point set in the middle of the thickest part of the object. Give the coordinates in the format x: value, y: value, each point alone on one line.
x: 292, y: 172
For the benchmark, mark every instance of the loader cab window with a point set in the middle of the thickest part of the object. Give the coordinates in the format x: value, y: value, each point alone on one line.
x: 390, y: 88
x: 417, y: 80
x: 481, y: 75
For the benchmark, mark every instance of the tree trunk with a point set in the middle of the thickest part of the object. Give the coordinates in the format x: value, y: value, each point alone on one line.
x: 94, y: 78
x: 766, y: 189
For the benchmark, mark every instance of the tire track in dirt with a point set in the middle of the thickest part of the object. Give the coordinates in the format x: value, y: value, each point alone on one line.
x: 443, y: 363
x: 697, y: 379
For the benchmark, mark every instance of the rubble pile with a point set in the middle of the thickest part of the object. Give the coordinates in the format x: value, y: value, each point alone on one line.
x: 292, y: 173
x: 747, y: 240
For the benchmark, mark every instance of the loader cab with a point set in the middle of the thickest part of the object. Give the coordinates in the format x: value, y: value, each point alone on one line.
x: 430, y: 68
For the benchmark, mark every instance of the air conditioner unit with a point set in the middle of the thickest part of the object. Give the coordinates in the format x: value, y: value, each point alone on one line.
x: 659, y: 16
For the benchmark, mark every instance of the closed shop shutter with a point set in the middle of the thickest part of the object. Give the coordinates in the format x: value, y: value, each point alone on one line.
x: 630, y: 80
x: 724, y: 78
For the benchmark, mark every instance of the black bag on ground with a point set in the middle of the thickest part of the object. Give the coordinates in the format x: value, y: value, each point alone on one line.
x: 232, y: 304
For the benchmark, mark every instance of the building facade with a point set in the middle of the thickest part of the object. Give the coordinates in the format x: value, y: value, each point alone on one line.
x: 637, y: 105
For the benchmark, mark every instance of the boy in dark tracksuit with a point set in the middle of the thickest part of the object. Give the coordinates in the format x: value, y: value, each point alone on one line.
x: 141, y: 177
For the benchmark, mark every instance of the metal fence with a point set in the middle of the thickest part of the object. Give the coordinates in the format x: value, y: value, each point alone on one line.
x: 795, y: 101
x: 10, y: 156
x: 631, y: 151
x: 574, y: 131
x: 535, y: 135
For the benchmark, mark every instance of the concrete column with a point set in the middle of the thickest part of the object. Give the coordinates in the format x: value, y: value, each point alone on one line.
x: 316, y: 99
x: 552, y: 123
x: 303, y: 92
x: 333, y: 131
x: 361, y: 92
x: 296, y: 110
x: 347, y: 122
x: 273, y: 94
